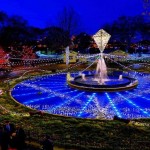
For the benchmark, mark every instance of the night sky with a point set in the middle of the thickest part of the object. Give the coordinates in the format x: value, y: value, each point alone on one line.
x: 93, y: 13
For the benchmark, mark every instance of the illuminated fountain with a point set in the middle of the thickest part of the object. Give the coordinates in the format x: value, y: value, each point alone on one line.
x: 101, y: 80
x: 101, y: 71
x: 101, y: 39
x: 51, y: 93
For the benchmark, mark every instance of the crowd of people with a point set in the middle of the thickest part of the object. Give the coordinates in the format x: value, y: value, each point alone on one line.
x: 13, y: 137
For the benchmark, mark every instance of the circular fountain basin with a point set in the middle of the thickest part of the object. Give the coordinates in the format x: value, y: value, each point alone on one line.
x: 51, y: 94
x: 113, y: 83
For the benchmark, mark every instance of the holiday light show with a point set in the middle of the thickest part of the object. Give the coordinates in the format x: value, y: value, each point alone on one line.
x: 100, y: 93
x: 101, y: 81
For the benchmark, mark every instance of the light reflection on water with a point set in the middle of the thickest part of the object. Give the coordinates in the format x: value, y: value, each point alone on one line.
x: 51, y: 94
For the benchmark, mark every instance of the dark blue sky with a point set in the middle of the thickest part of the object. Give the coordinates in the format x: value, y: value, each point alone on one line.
x: 93, y: 13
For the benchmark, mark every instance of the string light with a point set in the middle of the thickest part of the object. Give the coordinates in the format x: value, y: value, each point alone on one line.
x: 63, y: 71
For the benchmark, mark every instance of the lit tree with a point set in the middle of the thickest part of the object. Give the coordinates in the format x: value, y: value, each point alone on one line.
x: 28, y: 53
x: 3, y: 58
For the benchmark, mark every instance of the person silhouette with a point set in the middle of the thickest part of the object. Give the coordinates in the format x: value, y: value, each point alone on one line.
x: 4, y: 139
x: 9, y: 127
x: 47, y: 143
x: 21, y: 136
